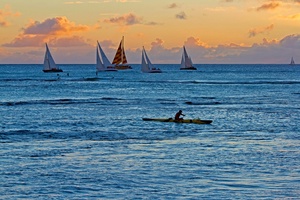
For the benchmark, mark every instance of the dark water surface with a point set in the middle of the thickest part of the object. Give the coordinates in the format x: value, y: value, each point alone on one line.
x: 78, y: 136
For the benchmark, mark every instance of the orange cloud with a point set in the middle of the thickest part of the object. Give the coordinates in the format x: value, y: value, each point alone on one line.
x: 255, y: 31
x: 157, y: 43
x: 56, y: 30
x: 5, y: 13
x: 127, y: 19
x: 292, y: 17
x: 67, y: 41
x: 54, y: 26
x: 173, y: 5
x: 195, y: 42
x: 268, y: 6
x: 181, y: 15
x: 26, y: 41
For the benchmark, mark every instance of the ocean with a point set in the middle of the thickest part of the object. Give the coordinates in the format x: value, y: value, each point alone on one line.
x: 81, y: 136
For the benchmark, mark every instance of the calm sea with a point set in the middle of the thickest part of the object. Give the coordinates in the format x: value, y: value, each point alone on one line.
x: 79, y: 136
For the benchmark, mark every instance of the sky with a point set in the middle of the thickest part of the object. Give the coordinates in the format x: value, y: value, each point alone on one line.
x: 213, y: 31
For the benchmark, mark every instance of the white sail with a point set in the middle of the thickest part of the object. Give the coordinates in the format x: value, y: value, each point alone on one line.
x: 49, y: 63
x: 182, y: 65
x: 292, y: 61
x: 105, y: 64
x: 186, y: 61
x: 99, y: 64
x: 147, y: 66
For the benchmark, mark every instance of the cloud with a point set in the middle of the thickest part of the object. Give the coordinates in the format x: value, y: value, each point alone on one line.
x: 255, y: 31
x: 291, y: 17
x: 157, y: 43
x: 55, y: 30
x: 67, y: 41
x: 26, y: 41
x: 54, y: 26
x: 269, y: 6
x: 152, y: 23
x: 127, y: 19
x: 173, y: 5
x: 194, y: 42
x: 291, y: 41
x: 181, y: 15
x: 74, y: 2
x: 7, y: 13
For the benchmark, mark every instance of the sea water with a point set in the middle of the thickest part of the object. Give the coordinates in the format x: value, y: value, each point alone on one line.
x: 75, y: 135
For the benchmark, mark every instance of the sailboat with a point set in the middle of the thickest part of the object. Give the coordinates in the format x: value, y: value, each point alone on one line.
x: 186, y: 61
x: 292, y: 61
x: 49, y: 64
x: 147, y: 66
x: 103, y: 65
x: 120, y: 60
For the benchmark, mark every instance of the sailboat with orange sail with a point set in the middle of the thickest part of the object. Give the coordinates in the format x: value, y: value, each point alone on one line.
x: 120, y: 60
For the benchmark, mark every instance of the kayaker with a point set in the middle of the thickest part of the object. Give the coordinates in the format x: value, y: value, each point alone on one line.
x: 178, y: 114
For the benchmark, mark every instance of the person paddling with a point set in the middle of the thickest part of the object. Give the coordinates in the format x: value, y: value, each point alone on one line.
x: 178, y: 114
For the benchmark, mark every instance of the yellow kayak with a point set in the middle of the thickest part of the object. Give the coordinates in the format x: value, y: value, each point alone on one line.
x: 191, y: 121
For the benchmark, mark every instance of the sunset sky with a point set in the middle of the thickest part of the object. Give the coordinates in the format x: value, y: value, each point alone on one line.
x: 213, y: 31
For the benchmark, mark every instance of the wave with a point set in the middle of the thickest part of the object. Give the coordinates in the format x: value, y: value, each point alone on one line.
x: 60, y: 101
x: 100, y: 134
x: 202, y: 103
x: 102, y: 100
x: 229, y: 82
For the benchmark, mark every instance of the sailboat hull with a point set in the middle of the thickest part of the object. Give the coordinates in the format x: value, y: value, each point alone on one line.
x: 52, y: 70
x: 123, y: 67
x: 188, y: 68
x: 154, y: 71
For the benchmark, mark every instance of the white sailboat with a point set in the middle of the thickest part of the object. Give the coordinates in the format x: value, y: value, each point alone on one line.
x: 120, y: 60
x: 186, y: 61
x: 147, y: 66
x: 104, y: 64
x: 49, y: 64
x: 292, y: 61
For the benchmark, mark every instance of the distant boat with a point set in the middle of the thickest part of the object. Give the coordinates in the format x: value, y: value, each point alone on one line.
x: 186, y: 61
x: 120, y: 60
x: 49, y: 64
x: 103, y: 65
x: 292, y: 61
x: 147, y: 66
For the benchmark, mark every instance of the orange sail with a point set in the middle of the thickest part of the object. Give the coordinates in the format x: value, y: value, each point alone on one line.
x: 120, y: 57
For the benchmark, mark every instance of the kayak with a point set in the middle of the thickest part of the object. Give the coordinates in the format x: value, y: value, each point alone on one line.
x: 191, y: 121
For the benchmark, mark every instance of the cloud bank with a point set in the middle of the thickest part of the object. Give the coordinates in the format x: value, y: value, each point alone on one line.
x: 52, y: 30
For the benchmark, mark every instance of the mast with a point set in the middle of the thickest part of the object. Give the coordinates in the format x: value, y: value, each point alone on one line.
x: 122, y: 52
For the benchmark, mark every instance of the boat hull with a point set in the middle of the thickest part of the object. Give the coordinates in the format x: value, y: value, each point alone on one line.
x: 123, y: 67
x: 190, y: 121
x: 154, y: 71
x: 189, y: 68
x: 52, y: 70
